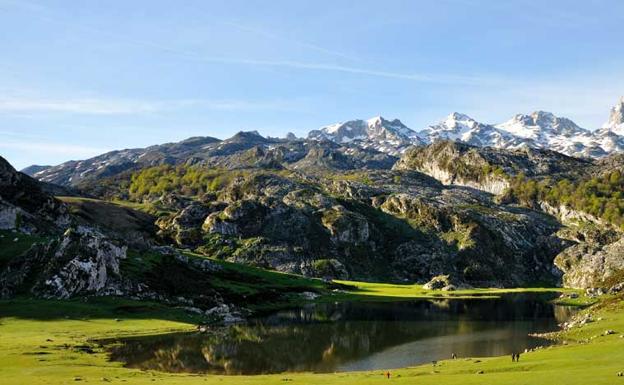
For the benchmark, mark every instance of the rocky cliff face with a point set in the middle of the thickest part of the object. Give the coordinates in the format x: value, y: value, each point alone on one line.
x: 594, y: 260
x: 318, y: 208
x: 243, y: 150
x: 372, y: 144
x: 81, y: 262
x: 586, y: 261
x: 615, y: 123
x: 377, y: 133
x: 379, y: 225
x: 485, y: 169
x: 25, y: 206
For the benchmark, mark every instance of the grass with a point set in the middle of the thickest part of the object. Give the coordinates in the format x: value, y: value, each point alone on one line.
x: 52, y: 342
x: 148, y: 208
x: 110, y: 215
x: 43, y: 342
x: 254, y: 288
x: 14, y: 244
x: 390, y: 292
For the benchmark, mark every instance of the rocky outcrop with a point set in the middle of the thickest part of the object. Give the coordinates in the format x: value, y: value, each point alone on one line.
x: 25, y: 206
x: 440, y: 282
x: 455, y: 164
x: 183, y: 228
x: 592, y: 263
x: 479, y: 243
x: 380, y: 225
x: 486, y: 169
x: 81, y: 262
x: 9, y: 215
x: 314, y: 208
x: 570, y: 216
x: 345, y: 226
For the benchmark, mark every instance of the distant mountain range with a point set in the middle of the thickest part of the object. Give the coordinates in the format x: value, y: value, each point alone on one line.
x: 375, y: 143
x: 537, y: 130
x: 485, y: 204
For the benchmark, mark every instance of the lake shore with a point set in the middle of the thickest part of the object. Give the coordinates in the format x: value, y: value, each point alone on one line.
x: 57, y: 348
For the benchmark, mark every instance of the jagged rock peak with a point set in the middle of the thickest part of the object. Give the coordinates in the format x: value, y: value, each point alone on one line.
x: 616, y: 118
x: 539, y: 123
x: 247, y: 135
x: 390, y: 136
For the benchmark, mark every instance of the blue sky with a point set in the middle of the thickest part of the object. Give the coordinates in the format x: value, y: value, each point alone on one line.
x: 78, y: 78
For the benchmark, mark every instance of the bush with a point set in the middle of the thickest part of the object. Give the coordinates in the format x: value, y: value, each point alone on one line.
x: 601, y: 196
x: 186, y: 180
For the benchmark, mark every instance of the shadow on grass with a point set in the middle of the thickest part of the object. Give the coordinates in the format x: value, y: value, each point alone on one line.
x: 91, y: 308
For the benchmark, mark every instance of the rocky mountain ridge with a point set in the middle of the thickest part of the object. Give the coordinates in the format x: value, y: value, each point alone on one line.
x: 356, y: 200
x: 375, y: 143
x: 51, y: 248
x: 539, y: 130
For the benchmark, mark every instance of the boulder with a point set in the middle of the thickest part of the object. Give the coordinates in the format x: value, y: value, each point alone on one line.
x: 438, y: 283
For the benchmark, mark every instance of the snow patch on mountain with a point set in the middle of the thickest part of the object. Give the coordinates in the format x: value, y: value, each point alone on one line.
x: 539, y: 129
x: 615, y: 123
x: 389, y: 136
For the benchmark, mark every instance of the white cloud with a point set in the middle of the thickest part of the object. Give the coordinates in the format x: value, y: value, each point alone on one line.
x: 94, y: 106
x: 79, y: 106
x: 52, y: 148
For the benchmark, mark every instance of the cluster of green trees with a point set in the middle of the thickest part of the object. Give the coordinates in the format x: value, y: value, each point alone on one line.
x: 189, y: 181
x: 601, y: 196
x: 471, y: 168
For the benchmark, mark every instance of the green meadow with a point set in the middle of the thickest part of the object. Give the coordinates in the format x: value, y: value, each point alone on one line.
x: 54, y: 342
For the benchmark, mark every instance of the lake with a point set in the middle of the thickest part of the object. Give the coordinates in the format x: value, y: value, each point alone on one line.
x: 352, y: 336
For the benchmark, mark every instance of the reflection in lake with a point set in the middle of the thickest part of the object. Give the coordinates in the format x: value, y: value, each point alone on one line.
x: 351, y: 336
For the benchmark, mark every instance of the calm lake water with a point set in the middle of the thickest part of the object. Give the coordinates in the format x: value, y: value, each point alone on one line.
x: 352, y: 336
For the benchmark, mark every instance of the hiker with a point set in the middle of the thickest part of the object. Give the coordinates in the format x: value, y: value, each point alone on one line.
x: 514, y: 357
x: 517, y: 357
x: 453, y: 356
x: 388, y: 374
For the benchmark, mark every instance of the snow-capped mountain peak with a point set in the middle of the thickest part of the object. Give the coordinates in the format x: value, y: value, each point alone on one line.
x: 375, y: 120
x: 539, y: 124
x: 459, y: 120
x: 456, y: 126
x: 542, y: 129
x: 390, y: 136
x: 616, y: 118
x: 539, y: 129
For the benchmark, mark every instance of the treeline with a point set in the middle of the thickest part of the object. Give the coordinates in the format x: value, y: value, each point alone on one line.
x: 185, y: 180
x: 601, y: 196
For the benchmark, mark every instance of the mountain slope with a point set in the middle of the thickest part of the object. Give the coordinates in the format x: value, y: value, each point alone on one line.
x: 24, y: 205
x: 35, y: 168
x: 391, y: 137
x: 372, y: 144
x: 74, y: 172
x: 462, y: 128
x: 243, y: 150
x: 616, y: 119
x: 489, y: 169
x: 545, y: 130
x: 540, y: 130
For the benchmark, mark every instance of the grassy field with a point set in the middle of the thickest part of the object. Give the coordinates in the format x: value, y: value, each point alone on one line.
x: 50, y: 342
x: 391, y: 292
x: 12, y: 244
